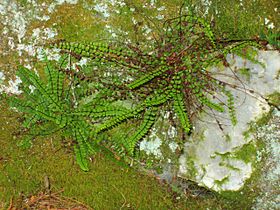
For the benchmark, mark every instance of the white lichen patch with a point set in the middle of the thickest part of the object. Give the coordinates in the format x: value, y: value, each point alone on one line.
x: 52, y: 6
x: 103, y: 9
x: 212, y: 171
x: 2, y: 76
x: 270, y: 25
x: 12, y: 87
x: 269, y: 182
x: 161, y: 8
x: 13, y: 19
x: 48, y: 33
x: 173, y: 146
x: 34, y: 48
x: 32, y: 88
x: 106, y: 7
x: 59, y: 2
x: 38, y: 51
x: 160, y: 17
x: 152, y: 146
x: 16, y: 20
x: 82, y: 62
x: 172, y: 132
x: 207, y: 4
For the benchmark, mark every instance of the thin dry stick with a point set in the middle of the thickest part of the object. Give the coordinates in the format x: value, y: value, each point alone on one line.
x: 123, y: 205
x: 73, y: 200
x: 11, y: 204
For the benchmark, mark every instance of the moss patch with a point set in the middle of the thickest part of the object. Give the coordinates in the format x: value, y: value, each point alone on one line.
x: 274, y: 99
x: 23, y: 171
x: 246, y: 153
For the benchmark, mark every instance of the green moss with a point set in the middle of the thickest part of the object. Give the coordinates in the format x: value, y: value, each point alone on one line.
x: 192, y: 171
x: 227, y: 137
x: 73, y: 22
x: 244, y: 198
x: 245, y: 72
x: 222, y: 181
x: 263, y: 120
x: 278, y: 74
x: 246, y: 153
x: 225, y: 155
x: 229, y: 166
x: 238, y: 20
x: 274, y: 98
x: 247, y: 134
x: 23, y: 171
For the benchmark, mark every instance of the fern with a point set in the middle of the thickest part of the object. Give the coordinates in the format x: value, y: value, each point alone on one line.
x: 99, y: 112
x: 55, y: 84
x: 120, y: 118
x: 48, y: 105
x: 81, y: 157
x: 236, y: 47
x: 34, y: 80
x: 180, y: 110
x: 208, y: 31
x: 174, y: 71
x: 146, y: 78
x: 231, y: 108
x: 148, y: 121
x: 173, y: 75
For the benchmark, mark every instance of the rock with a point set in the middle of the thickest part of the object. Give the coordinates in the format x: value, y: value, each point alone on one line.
x: 223, y: 159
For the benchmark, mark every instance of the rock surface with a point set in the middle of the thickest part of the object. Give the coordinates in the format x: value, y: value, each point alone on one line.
x: 212, y: 151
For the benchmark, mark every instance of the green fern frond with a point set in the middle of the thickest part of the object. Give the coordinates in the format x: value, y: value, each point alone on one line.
x: 20, y: 105
x: 230, y: 105
x: 55, y: 80
x: 181, y: 112
x: 148, y: 121
x: 121, y: 118
x: 96, y: 51
x: 31, y: 120
x: 173, y: 71
x: 157, y: 99
x: 249, y: 54
x: 84, y: 132
x: 34, y: 80
x: 99, y: 112
x: 25, y: 74
x: 237, y: 47
x: 29, y: 107
x: 81, y: 157
x: 211, y: 104
x: 83, y: 148
x: 62, y: 120
x: 146, y: 78
x: 207, y: 30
